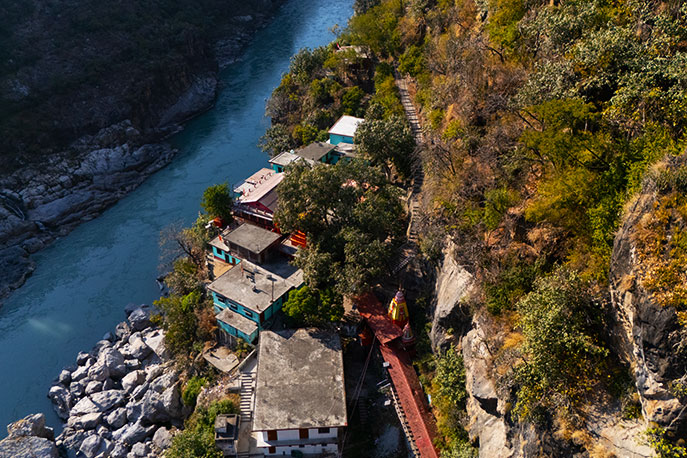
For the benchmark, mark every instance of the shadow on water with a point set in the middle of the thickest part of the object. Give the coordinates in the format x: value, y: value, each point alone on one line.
x: 83, y: 281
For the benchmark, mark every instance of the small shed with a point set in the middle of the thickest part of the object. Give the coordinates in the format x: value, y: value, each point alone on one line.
x: 227, y: 433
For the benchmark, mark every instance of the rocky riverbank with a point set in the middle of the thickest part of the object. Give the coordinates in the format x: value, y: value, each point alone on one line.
x: 123, y: 398
x: 45, y: 199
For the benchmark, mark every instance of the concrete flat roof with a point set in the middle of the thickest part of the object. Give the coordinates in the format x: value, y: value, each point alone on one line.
x: 237, y: 321
x: 260, y: 189
x: 300, y: 381
x: 346, y: 126
x: 314, y: 151
x: 237, y: 285
x: 251, y: 237
x: 216, y: 242
x: 250, y: 182
x: 284, y: 158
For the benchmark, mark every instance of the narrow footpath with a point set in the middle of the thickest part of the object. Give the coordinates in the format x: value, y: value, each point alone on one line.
x: 409, y: 250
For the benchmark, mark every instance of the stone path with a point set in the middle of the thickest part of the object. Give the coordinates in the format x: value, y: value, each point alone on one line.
x: 409, y: 250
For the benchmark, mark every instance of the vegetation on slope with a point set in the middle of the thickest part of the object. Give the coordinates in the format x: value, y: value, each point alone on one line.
x: 71, y: 67
x: 543, y: 119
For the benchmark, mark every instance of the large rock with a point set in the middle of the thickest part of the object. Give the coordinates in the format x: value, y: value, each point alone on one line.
x: 113, y: 361
x: 28, y: 447
x: 132, y: 433
x: 31, y: 425
x: 61, y: 399
x: 162, y: 438
x: 139, y: 319
x: 107, y: 400
x: 94, y: 387
x: 487, y: 423
x: 29, y: 438
x: 155, y: 339
x: 137, y: 347
x: 454, y: 285
x: 117, y: 418
x: 647, y: 334
x: 85, y: 422
x: 95, y: 446
x: 132, y: 380
x: 101, y: 402
x: 98, y: 372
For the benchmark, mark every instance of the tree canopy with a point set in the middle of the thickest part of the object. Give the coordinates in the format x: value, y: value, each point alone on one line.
x: 386, y: 141
x: 217, y: 202
x: 352, y: 218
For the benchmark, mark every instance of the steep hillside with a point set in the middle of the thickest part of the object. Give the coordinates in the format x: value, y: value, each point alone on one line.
x: 544, y: 118
x: 72, y: 67
x: 88, y: 89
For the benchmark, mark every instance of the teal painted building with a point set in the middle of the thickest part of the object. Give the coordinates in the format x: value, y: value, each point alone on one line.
x: 343, y: 130
x: 247, y: 297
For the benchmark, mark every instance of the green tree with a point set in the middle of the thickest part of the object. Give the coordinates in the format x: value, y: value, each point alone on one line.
x: 351, y: 101
x: 185, y: 321
x: 351, y: 216
x: 305, y: 134
x: 412, y: 61
x: 385, y: 141
x: 563, y: 350
x: 312, y: 307
x: 277, y: 139
x: 217, y: 202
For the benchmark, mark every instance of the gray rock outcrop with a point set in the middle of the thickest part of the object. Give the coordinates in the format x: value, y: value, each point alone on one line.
x: 647, y: 335
x: 120, y: 394
x: 454, y: 285
x: 29, y: 438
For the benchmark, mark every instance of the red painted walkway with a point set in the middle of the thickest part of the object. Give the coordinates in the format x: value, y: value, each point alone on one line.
x: 408, y: 389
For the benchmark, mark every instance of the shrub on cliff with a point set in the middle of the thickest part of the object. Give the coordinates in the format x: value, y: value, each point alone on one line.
x: 197, y: 440
x: 187, y: 320
x: 563, y: 352
x: 307, y: 307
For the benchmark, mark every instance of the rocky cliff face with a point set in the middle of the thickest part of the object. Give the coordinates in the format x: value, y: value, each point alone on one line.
x: 648, y: 331
x: 83, y: 122
x: 489, y: 421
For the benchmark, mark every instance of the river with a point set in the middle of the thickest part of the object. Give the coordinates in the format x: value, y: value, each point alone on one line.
x: 83, y: 281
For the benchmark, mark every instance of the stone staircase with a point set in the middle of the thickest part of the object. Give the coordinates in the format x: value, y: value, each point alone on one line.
x: 247, y: 398
x: 409, y: 250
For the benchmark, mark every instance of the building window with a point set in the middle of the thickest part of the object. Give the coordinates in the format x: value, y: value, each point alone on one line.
x: 301, y: 446
x: 303, y: 433
x: 272, y: 450
x: 323, y: 430
x: 272, y: 435
x: 248, y: 314
x: 233, y: 306
x: 220, y: 299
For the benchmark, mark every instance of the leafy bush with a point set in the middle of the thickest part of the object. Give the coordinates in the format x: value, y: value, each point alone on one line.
x: 563, y: 352
x: 182, y: 318
x: 514, y: 281
x: 309, y: 307
x: 412, y: 61
x: 351, y: 101
x: 191, y: 390
x: 197, y: 440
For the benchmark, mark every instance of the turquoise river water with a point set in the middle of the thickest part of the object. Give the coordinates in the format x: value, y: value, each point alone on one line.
x: 83, y: 281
